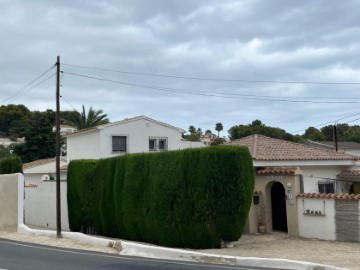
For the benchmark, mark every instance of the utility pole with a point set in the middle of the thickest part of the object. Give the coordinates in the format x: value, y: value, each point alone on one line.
x: 335, y: 138
x: 57, y: 159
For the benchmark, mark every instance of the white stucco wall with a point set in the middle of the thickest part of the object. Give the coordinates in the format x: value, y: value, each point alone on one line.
x: 317, y: 226
x: 40, y: 203
x: 313, y: 174
x: 85, y: 146
x: 98, y: 144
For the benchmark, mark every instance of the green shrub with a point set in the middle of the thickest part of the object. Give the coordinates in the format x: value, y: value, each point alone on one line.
x: 10, y: 165
x: 190, y: 198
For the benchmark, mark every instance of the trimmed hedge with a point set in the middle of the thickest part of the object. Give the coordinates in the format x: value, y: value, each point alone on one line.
x: 10, y: 165
x: 190, y: 198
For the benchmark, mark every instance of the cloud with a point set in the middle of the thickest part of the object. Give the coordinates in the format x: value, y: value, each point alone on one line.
x: 251, y: 40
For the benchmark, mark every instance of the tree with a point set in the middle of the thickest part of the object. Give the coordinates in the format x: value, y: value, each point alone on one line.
x: 195, y: 134
x: 314, y: 134
x: 86, y: 120
x: 14, y: 119
x: 257, y: 127
x: 218, y: 128
x: 39, y: 139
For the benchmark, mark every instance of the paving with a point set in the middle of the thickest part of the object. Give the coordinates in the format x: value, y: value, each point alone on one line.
x: 274, y: 245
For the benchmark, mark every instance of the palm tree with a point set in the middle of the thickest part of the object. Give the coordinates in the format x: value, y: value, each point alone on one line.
x: 218, y: 128
x: 86, y: 120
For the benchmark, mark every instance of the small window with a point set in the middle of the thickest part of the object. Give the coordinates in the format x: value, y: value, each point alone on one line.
x: 326, y: 186
x: 152, y: 145
x: 162, y: 144
x: 158, y: 144
x: 119, y: 144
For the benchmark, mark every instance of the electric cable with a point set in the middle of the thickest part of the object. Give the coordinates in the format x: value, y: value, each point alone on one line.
x: 202, y: 93
x: 210, y: 79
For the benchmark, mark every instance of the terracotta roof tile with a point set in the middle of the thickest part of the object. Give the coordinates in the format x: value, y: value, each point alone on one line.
x: 349, y: 173
x: 277, y: 170
x: 40, y: 162
x: 342, y: 196
x: 266, y: 148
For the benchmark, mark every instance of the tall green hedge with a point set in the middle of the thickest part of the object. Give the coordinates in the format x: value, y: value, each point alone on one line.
x: 10, y: 165
x: 190, y: 198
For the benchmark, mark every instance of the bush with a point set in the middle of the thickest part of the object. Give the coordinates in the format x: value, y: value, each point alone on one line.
x: 10, y: 165
x: 190, y: 198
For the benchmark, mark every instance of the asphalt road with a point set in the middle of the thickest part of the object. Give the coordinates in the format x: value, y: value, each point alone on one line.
x: 22, y: 256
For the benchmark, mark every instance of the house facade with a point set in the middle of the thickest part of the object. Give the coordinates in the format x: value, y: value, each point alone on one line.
x: 140, y: 134
x: 287, y: 175
x: 40, y: 193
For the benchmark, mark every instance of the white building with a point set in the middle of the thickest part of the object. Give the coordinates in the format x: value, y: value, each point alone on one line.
x: 140, y: 134
x: 306, y: 191
x: 40, y: 190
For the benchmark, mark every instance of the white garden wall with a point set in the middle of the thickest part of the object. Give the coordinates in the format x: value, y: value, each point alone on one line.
x: 321, y: 226
x: 40, y: 204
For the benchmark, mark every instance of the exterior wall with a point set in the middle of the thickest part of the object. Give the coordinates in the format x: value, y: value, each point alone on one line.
x: 85, y: 146
x: 347, y: 220
x: 313, y: 174
x: 263, y: 183
x: 320, y: 226
x: 40, y: 202
x: 354, y: 152
x: 98, y: 144
x: 10, y: 195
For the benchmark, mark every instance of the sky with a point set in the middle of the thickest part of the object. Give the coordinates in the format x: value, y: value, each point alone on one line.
x: 290, y: 64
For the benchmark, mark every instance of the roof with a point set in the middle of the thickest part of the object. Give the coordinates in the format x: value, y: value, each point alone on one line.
x: 40, y: 162
x: 126, y: 120
x: 277, y: 170
x: 341, y: 196
x: 270, y: 149
x: 349, y: 173
x: 330, y: 144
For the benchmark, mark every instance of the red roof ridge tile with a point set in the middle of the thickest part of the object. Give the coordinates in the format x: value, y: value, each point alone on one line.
x: 341, y: 196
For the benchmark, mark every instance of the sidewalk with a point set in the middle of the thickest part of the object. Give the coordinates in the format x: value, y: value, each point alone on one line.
x: 280, y: 245
x: 275, y: 245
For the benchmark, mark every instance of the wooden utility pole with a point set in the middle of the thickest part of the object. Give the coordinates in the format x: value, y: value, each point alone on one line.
x: 335, y: 138
x: 57, y: 117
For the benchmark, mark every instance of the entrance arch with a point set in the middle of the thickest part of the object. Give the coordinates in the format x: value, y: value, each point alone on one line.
x: 278, y: 206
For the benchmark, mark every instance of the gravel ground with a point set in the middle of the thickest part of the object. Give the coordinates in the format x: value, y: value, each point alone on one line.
x: 280, y: 245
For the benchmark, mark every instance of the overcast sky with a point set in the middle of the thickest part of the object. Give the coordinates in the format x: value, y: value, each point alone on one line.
x: 240, y: 54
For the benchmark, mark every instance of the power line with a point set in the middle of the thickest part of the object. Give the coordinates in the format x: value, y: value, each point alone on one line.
x: 202, y: 93
x: 330, y: 122
x: 23, y: 90
x: 211, y: 79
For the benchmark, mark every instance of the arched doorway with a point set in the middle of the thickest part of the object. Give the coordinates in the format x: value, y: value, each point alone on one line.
x: 278, y: 205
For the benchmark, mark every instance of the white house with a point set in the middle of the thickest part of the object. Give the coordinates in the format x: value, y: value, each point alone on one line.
x: 290, y: 176
x: 140, y: 134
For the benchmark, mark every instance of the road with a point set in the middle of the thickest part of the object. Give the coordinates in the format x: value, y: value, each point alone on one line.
x: 22, y: 256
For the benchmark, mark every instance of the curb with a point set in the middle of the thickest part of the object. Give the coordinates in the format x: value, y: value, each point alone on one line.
x: 128, y: 248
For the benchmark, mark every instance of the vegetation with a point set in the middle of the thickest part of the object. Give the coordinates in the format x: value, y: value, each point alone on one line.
x: 10, y: 165
x: 83, y: 119
x: 218, y: 128
x: 190, y: 198
x: 257, y: 127
x: 195, y: 134
x: 39, y: 140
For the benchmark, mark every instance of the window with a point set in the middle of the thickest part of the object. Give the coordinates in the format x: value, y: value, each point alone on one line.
x: 162, y: 144
x: 326, y: 186
x: 152, y: 145
x: 158, y: 144
x: 119, y: 144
